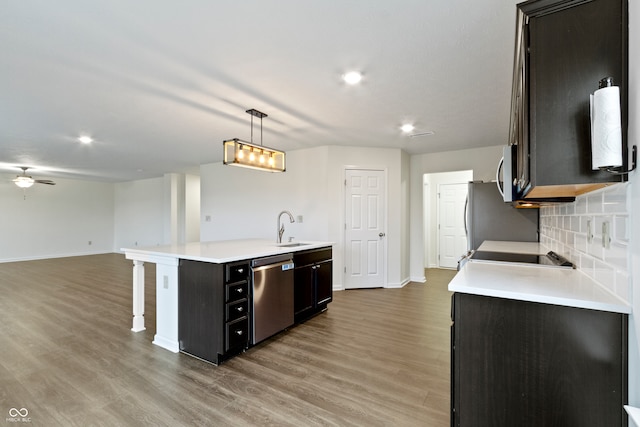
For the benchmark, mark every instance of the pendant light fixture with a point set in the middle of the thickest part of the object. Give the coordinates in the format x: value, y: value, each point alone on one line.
x: 237, y: 152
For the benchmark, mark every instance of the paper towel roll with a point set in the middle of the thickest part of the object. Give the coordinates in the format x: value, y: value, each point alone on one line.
x: 606, y: 128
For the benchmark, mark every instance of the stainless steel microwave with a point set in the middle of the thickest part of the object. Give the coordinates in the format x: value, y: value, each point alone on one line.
x: 513, y: 186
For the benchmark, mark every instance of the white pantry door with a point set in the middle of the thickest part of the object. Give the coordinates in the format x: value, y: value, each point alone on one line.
x: 452, y: 235
x: 365, y: 238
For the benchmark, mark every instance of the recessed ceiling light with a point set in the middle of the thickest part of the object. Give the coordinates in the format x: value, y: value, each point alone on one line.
x: 85, y: 139
x: 407, y: 128
x: 352, y: 77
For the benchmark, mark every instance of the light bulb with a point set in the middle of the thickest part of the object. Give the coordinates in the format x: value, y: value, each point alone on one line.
x: 271, y: 161
x: 408, y: 127
x: 252, y: 156
x: 352, y: 77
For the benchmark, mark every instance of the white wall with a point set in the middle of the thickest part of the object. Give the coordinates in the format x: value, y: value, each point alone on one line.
x: 192, y: 208
x: 239, y: 203
x: 242, y: 203
x: 138, y: 213
x: 154, y: 211
x: 55, y: 221
x: 483, y: 162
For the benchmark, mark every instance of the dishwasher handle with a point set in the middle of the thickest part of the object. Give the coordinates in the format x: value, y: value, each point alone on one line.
x: 283, y: 265
x: 275, y: 259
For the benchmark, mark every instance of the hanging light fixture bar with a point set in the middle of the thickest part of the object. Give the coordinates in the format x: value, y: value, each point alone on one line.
x: 237, y: 152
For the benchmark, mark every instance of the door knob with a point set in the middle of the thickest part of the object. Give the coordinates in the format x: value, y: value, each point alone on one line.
x: 381, y: 234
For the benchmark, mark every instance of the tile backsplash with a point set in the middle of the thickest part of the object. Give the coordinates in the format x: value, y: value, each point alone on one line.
x: 593, y: 233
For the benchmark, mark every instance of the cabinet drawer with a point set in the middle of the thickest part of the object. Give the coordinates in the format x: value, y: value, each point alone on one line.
x: 311, y: 256
x: 237, y: 309
x: 237, y: 333
x: 236, y: 291
x: 236, y: 272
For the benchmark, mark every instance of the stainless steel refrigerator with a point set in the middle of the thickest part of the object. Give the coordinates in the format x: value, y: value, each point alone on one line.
x: 488, y: 217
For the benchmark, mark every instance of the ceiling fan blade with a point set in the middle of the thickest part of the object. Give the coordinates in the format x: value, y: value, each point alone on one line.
x: 45, y: 181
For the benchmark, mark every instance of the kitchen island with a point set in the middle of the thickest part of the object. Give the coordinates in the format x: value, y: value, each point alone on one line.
x: 167, y: 259
x: 535, y: 345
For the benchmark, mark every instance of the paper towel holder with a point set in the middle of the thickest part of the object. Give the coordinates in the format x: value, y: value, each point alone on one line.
x: 606, y: 82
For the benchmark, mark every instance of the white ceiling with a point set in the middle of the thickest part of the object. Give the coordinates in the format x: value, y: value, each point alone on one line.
x: 160, y: 84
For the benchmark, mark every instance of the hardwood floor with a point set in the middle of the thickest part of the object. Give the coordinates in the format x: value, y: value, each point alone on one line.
x: 377, y: 357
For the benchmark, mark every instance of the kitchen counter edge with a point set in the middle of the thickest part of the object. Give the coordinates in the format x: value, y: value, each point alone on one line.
x: 220, y: 252
x: 548, y: 285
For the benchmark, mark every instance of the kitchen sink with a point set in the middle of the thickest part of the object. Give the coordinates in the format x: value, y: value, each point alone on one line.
x: 292, y: 245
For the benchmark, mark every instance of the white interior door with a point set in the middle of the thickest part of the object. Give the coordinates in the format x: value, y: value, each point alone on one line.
x: 365, y: 238
x: 451, y: 234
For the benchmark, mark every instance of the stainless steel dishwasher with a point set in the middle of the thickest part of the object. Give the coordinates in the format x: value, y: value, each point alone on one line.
x: 272, y: 279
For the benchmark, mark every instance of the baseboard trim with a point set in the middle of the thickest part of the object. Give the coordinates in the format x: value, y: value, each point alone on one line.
x: 52, y: 256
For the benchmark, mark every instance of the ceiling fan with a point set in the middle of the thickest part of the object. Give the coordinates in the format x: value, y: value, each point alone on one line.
x: 26, y: 181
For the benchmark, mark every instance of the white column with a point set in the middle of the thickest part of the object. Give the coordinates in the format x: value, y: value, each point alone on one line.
x: 174, y: 208
x: 166, y: 297
x: 138, y: 296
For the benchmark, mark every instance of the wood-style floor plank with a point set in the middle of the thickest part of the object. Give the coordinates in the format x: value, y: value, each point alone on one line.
x: 377, y: 357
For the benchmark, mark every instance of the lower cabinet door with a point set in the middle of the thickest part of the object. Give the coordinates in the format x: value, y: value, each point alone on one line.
x: 303, y: 292
x: 528, y: 364
x: 237, y: 333
x: 324, y: 282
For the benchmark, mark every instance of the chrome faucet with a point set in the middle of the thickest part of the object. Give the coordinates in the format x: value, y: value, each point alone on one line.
x: 281, y: 227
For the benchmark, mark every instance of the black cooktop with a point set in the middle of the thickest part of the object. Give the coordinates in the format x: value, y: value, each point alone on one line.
x: 550, y: 258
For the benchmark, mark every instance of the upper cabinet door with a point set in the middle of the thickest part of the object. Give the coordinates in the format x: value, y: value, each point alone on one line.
x: 563, y: 49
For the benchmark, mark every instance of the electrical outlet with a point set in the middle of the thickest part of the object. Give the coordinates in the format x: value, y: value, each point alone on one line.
x: 207, y: 218
x: 589, y: 231
x: 89, y: 242
x: 299, y: 219
x: 606, y: 235
x: 165, y: 280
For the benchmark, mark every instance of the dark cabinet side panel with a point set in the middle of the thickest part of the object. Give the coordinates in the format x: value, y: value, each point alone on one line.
x: 200, y: 313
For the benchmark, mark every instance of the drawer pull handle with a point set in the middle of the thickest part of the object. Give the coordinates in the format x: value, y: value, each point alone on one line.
x: 239, y: 332
x: 240, y: 309
x: 241, y: 270
x: 239, y: 290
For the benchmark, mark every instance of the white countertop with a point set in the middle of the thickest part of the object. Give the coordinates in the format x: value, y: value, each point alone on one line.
x: 634, y: 413
x: 550, y: 285
x: 530, y: 248
x: 223, y: 251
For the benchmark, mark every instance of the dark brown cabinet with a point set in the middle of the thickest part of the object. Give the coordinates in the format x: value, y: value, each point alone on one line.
x: 564, y: 48
x: 517, y: 363
x: 213, y: 313
x: 313, y: 284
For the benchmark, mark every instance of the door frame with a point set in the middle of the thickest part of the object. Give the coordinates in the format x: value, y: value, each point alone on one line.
x: 433, y: 179
x: 343, y: 222
x: 439, y: 221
